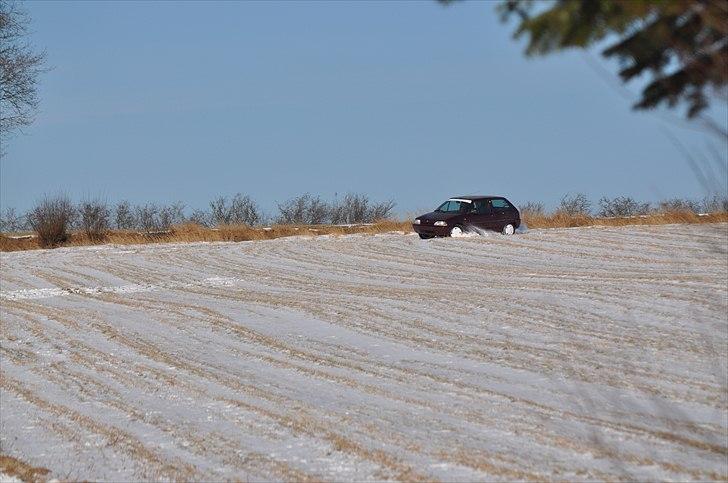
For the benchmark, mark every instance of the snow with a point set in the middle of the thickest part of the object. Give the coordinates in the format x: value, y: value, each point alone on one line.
x: 9, y: 479
x: 575, y: 354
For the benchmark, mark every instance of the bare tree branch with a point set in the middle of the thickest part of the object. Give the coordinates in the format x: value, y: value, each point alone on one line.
x: 20, y: 67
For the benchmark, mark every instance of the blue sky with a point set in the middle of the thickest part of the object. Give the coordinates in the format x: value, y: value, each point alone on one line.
x: 413, y: 101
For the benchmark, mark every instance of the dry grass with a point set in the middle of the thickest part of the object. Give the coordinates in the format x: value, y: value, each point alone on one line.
x: 560, y: 220
x: 195, y: 233
x: 14, y: 467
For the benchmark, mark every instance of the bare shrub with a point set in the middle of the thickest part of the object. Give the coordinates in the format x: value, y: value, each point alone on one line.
x: 124, y: 216
x: 577, y: 204
x: 351, y: 209
x: 10, y: 221
x: 715, y: 204
x: 622, y: 206
x: 677, y: 205
x: 94, y: 216
x: 380, y: 211
x: 147, y: 217
x: 219, y: 214
x: 532, y: 208
x: 337, y: 213
x: 317, y: 211
x: 51, y: 219
x: 294, y: 211
x: 242, y: 210
x: 171, y: 215
x: 201, y: 218
x: 357, y: 208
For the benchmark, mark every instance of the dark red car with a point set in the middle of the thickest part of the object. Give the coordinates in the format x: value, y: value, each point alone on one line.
x: 459, y: 214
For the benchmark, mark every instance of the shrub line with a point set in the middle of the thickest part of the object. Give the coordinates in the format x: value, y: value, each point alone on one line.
x: 189, y: 232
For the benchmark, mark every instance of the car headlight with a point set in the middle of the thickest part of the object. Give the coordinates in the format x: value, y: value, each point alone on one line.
x: 440, y: 223
x: 416, y: 222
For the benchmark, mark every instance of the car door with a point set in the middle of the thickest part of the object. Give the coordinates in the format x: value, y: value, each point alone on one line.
x: 480, y: 214
x: 501, y: 213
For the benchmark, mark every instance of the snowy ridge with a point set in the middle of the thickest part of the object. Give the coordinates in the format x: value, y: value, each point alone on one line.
x: 574, y: 354
x: 43, y: 293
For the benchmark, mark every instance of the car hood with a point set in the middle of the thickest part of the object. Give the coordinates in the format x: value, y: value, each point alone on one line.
x: 434, y: 216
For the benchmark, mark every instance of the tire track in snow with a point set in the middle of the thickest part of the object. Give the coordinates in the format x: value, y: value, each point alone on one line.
x: 44, y: 293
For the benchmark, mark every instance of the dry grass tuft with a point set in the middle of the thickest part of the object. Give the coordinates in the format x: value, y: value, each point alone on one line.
x: 15, y: 468
x: 191, y: 232
x: 8, y: 244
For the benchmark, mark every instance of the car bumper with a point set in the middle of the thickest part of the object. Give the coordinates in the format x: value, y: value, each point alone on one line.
x: 431, y: 230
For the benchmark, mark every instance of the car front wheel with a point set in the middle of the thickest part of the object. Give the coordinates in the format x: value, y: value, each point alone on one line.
x: 456, y: 230
x: 509, y: 229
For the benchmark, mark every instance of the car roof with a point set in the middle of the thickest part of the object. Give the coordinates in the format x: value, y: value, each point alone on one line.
x: 475, y: 197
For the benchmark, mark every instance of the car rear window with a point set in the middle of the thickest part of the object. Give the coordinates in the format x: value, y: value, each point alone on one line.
x: 500, y: 203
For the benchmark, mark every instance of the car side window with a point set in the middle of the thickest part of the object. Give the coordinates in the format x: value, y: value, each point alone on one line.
x: 500, y: 204
x: 481, y: 207
x: 451, y: 206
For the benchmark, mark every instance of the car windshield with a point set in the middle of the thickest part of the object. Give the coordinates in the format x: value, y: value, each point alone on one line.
x: 450, y: 206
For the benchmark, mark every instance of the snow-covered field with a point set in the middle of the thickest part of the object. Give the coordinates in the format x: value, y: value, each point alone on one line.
x: 592, y: 353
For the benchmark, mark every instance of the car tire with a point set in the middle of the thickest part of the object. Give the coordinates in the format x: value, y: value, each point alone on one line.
x: 509, y: 229
x: 456, y: 230
x: 425, y: 236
